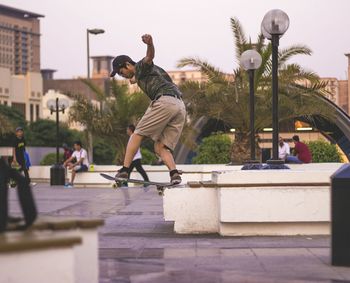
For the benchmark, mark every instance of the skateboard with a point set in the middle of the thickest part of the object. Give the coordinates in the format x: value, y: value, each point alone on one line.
x: 159, y: 185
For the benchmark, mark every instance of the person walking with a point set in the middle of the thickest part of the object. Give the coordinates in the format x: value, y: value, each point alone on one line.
x: 165, y: 117
x: 136, y: 162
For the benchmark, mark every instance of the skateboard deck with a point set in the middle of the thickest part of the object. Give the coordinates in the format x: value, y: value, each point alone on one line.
x: 160, y: 186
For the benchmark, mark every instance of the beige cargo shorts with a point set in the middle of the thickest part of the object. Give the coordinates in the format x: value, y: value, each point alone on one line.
x: 163, y: 121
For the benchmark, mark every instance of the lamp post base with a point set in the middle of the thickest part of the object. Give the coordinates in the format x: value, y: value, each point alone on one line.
x: 57, y: 175
x: 252, y: 165
x: 275, y: 164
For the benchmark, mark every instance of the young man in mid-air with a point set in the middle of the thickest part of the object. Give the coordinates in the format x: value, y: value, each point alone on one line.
x: 165, y: 117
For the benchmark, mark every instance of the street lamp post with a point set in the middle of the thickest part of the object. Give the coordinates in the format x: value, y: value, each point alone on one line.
x: 250, y: 61
x: 94, y: 31
x: 273, y: 26
x: 57, y: 172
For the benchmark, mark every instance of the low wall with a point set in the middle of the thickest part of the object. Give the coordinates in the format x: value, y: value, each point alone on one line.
x: 36, y: 153
x: 160, y: 173
x: 255, y: 202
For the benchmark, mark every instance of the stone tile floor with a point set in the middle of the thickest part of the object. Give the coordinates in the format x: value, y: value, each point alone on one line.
x: 137, y: 245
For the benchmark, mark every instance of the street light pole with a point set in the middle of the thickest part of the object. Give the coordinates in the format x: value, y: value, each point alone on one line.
x: 88, y: 53
x: 273, y: 26
x: 252, y: 114
x: 57, y: 131
x: 95, y: 32
x: 57, y: 171
x: 250, y: 61
x: 275, y: 121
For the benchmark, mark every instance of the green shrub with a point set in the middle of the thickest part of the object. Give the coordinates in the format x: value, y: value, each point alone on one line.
x: 214, y: 149
x: 104, y: 152
x: 50, y: 159
x: 323, y: 151
x: 148, y: 157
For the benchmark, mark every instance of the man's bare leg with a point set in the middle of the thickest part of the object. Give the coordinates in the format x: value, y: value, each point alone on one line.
x: 131, y: 149
x: 168, y: 160
x: 73, y: 176
x: 165, y: 155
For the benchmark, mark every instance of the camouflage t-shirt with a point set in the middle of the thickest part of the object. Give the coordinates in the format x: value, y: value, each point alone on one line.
x: 154, y: 81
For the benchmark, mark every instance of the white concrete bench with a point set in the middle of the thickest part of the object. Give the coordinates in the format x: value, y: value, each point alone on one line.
x: 86, y: 254
x: 259, y: 202
x: 38, y: 257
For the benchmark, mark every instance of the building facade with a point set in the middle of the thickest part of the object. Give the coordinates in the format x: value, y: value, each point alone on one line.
x: 19, y: 40
x: 22, y: 92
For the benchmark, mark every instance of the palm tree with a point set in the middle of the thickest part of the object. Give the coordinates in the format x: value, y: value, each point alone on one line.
x: 225, y: 97
x: 118, y: 110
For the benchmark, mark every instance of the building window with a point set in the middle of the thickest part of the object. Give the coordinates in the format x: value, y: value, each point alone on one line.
x: 6, y: 90
x: 0, y: 89
x: 37, y: 110
x: 31, y: 112
x: 21, y: 107
x: 38, y: 94
x: 5, y: 102
x: 33, y: 93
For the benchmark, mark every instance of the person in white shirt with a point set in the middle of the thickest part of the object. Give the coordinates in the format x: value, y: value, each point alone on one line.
x: 283, y: 149
x: 136, y: 162
x: 78, y: 162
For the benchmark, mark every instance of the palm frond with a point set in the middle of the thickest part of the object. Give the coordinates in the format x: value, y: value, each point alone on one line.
x: 285, y: 54
x: 213, y: 73
x: 239, y: 36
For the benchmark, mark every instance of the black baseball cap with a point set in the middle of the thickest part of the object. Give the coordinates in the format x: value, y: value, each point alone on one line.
x: 119, y: 62
x: 19, y: 129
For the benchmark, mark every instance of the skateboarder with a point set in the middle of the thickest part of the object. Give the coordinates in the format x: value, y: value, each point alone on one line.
x: 165, y: 117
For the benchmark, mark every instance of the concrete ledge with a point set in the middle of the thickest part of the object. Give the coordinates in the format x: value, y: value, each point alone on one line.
x: 38, y: 257
x: 193, y: 210
x: 254, y: 203
x: 85, y: 254
x: 274, y: 229
x: 275, y: 204
x: 21, y: 241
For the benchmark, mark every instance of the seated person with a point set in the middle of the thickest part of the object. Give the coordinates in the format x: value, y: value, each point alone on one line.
x: 283, y: 149
x: 78, y: 162
x: 301, y: 151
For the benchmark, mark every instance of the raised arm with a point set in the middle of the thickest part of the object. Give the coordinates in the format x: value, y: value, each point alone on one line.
x: 147, y: 39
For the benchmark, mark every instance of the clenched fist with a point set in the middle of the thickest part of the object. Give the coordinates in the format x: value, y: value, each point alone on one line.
x: 147, y: 39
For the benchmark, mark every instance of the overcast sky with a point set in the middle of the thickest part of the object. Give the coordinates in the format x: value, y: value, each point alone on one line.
x: 185, y: 28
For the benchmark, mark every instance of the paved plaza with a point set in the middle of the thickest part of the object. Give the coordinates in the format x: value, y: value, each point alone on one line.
x: 137, y: 245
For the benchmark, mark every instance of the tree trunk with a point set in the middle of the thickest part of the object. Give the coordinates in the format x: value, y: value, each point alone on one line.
x: 240, y: 150
x: 90, y: 147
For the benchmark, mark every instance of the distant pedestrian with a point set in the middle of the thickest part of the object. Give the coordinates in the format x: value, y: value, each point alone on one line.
x: 136, y: 162
x: 283, y: 149
x: 78, y: 162
x: 301, y: 151
x: 18, y: 153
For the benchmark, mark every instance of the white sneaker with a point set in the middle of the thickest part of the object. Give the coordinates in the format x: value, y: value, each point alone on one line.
x: 68, y: 185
